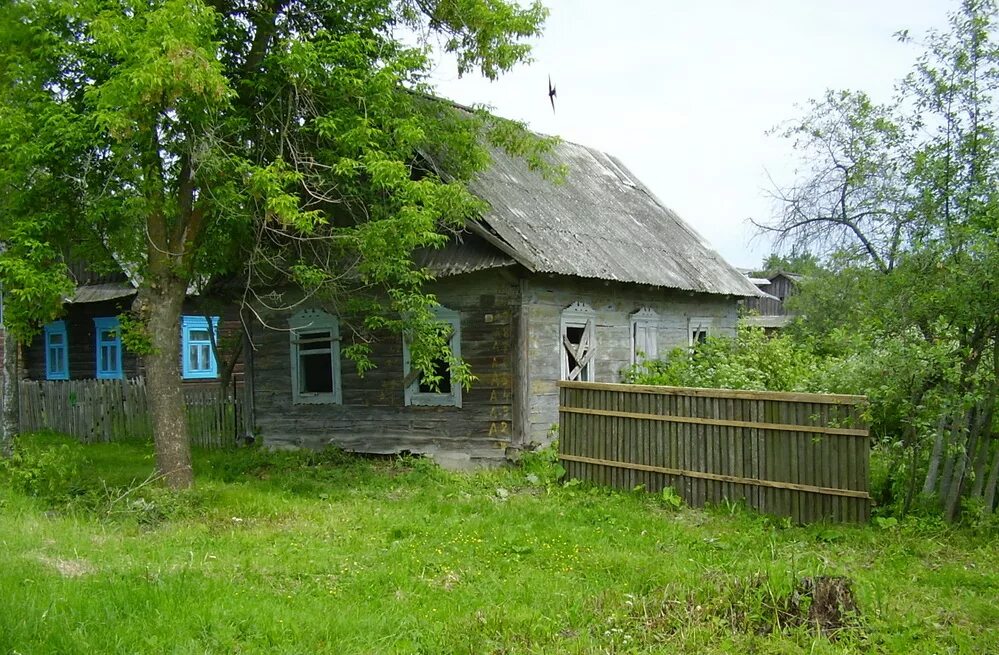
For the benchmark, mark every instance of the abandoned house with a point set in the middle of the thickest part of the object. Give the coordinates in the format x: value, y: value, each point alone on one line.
x: 575, y: 281
x: 571, y: 281
x: 769, y: 310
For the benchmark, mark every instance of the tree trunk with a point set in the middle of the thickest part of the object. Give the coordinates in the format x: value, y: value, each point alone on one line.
x: 981, y: 461
x: 952, y: 501
x: 938, y: 449
x: 161, y: 306
x: 990, y: 488
x: 953, y: 435
x: 11, y: 418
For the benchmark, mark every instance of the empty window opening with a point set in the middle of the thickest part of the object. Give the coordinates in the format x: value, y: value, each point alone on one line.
x: 578, y: 343
x: 439, y: 388
x: 442, y: 371
x: 699, y: 329
x: 315, y: 357
x: 315, y: 362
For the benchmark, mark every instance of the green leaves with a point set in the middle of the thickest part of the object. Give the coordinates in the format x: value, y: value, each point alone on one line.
x: 286, y: 144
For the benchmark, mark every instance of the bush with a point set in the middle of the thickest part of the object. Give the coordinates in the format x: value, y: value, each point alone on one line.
x: 752, y: 360
x: 46, y: 466
x: 543, y: 464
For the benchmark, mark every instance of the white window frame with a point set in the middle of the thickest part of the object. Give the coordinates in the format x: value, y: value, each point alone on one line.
x: 645, y: 319
x: 578, y: 315
x: 314, y: 320
x: 412, y: 393
x: 696, y: 324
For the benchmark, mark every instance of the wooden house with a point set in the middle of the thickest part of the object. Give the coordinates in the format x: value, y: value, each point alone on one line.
x: 86, y: 342
x: 769, y: 310
x: 556, y: 281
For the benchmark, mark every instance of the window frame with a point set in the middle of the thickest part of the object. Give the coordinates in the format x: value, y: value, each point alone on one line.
x: 578, y: 315
x: 101, y: 324
x: 648, y: 319
x: 314, y: 320
x: 697, y: 324
x: 189, y: 324
x: 411, y: 392
x: 57, y: 327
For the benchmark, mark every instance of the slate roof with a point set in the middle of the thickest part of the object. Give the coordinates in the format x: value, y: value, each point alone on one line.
x: 600, y: 223
x: 466, y: 253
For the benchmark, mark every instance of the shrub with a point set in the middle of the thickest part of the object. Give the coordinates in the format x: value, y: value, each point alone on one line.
x: 752, y: 360
x: 45, y: 466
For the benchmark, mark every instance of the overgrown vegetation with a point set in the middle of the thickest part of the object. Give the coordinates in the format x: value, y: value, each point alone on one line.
x: 247, y: 149
x: 902, y: 201
x: 328, y: 553
x: 839, y: 361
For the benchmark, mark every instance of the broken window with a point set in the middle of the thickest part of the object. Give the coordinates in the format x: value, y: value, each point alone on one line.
x: 698, y: 329
x: 315, y: 357
x: 440, y: 387
x: 578, y: 343
x: 644, y: 335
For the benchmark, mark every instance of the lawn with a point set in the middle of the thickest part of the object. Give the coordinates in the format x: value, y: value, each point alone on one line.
x: 326, y: 553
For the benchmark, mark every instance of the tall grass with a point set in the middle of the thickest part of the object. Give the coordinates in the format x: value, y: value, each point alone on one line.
x: 327, y: 553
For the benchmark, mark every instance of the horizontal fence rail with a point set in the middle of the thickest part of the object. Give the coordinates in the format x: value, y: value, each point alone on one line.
x: 118, y: 410
x: 804, y: 456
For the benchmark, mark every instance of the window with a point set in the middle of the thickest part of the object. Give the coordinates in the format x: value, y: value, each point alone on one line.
x: 56, y: 353
x: 644, y: 335
x: 315, y: 357
x: 108, y: 348
x: 196, y: 356
x: 698, y: 329
x: 419, y: 391
x: 578, y: 343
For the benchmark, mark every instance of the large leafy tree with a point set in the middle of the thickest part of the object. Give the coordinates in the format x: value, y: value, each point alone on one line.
x: 907, y: 195
x: 269, y: 141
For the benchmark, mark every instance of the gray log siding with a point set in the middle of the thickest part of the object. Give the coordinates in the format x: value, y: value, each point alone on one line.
x: 613, y: 304
x: 373, y: 417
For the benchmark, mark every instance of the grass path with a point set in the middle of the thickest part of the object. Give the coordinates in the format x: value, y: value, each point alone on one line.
x: 293, y: 553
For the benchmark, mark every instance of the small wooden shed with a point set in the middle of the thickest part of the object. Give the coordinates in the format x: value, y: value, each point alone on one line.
x: 571, y: 281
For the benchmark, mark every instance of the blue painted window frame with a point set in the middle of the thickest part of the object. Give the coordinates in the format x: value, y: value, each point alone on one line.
x: 114, y: 371
x: 189, y: 325
x: 52, y: 372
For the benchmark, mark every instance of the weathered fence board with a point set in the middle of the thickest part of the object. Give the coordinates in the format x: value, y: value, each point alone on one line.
x: 804, y: 456
x: 118, y: 410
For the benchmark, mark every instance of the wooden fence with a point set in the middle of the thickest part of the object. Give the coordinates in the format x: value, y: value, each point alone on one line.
x: 804, y: 456
x: 118, y: 410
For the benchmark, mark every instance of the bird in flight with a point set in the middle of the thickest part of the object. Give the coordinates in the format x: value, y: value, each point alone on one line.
x: 551, y: 93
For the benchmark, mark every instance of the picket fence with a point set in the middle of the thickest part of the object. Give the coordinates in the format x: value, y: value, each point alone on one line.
x: 118, y: 410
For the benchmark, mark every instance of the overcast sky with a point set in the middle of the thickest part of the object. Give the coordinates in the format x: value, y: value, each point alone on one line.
x: 683, y: 92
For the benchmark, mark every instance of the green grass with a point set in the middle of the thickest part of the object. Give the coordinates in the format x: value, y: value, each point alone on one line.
x: 323, y: 553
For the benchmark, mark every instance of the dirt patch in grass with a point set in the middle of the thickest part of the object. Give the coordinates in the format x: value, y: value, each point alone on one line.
x: 68, y: 568
x: 754, y: 604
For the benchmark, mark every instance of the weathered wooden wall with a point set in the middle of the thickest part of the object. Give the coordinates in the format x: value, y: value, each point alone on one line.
x: 118, y: 410
x: 781, y: 287
x: 373, y: 417
x: 544, y: 299
x: 804, y: 456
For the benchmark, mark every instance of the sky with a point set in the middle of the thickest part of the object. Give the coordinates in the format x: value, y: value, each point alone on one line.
x: 684, y: 92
